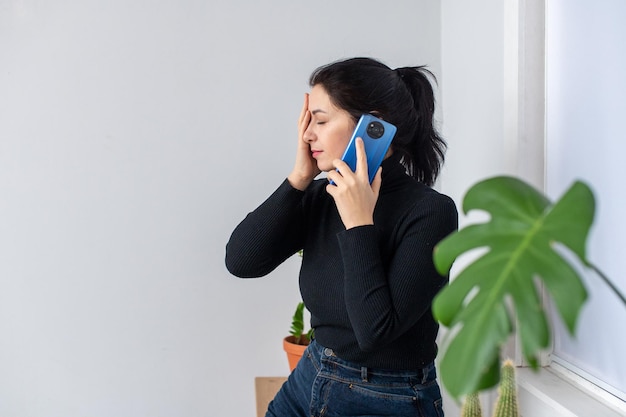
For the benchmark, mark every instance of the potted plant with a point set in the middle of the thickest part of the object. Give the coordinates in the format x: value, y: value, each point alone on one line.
x: 297, y: 341
x: 528, y: 239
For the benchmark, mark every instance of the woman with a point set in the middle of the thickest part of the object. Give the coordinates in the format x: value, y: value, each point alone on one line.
x: 367, y: 274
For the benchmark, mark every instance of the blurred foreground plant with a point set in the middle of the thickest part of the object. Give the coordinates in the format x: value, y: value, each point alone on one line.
x: 524, y: 240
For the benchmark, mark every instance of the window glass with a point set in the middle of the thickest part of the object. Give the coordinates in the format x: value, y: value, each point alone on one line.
x: 586, y: 139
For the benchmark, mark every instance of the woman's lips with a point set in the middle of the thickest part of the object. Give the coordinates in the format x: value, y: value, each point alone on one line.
x: 315, y: 153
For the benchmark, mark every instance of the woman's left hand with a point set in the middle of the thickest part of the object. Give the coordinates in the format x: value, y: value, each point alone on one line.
x: 354, y: 197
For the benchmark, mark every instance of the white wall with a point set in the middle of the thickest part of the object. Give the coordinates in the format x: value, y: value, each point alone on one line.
x: 472, y: 86
x: 473, y: 104
x: 134, y: 135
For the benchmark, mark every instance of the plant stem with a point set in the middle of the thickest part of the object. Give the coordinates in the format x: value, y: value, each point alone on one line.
x: 608, y: 282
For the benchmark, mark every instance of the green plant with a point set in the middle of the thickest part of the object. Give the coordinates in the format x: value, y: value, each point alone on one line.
x: 506, y: 404
x: 297, y: 326
x: 525, y: 240
x: 297, y: 321
x: 471, y: 406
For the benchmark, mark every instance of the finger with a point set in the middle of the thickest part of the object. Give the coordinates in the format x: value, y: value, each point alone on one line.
x: 377, y: 182
x: 305, y: 120
x: 305, y: 108
x: 361, y: 158
x: 334, y: 176
x: 331, y: 189
x: 305, y: 116
x: 342, y: 168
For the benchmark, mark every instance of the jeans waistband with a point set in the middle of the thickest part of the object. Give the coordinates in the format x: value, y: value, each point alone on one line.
x: 326, y: 356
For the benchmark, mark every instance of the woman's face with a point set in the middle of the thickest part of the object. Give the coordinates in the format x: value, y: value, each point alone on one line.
x: 330, y: 129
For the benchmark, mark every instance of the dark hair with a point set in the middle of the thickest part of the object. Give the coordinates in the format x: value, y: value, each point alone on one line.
x: 403, y: 97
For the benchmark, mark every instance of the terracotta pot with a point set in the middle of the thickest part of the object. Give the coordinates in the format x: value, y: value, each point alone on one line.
x: 294, y: 351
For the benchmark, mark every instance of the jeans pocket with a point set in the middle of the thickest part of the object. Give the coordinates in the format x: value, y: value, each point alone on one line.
x: 439, y: 407
x: 354, y: 399
x: 402, y: 394
x: 429, y: 400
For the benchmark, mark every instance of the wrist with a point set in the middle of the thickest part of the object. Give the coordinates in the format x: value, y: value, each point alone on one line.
x: 358, y: 223
x: 298, y: 181
x: 358, y: 219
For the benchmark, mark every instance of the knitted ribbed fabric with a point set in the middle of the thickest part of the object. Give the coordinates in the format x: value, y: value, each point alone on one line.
x: 369, y: 289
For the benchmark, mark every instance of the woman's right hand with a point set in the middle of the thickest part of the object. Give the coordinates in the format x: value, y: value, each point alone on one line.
x: 305, y: 168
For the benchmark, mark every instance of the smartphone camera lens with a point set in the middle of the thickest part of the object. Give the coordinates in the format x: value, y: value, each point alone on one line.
x: 375, y: 130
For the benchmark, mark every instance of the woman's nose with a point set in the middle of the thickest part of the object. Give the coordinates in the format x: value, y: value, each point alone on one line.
x: 308, y: 135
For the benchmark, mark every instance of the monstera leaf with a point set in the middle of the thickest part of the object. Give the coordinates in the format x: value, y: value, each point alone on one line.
x: 498, y: 292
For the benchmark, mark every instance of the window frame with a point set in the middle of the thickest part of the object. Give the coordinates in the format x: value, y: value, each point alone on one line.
x: 555, y: 388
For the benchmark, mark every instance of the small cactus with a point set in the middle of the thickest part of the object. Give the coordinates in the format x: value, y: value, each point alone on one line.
x: 506, y: 406
x: 471, y: 406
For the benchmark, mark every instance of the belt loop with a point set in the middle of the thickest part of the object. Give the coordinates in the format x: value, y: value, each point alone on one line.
x: 426, y: 372
x: 364, y: 373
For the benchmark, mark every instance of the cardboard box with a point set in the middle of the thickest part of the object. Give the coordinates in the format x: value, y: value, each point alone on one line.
x: 266, y: 388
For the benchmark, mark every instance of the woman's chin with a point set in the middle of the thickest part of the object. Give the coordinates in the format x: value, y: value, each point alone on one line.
x: 324, y: 167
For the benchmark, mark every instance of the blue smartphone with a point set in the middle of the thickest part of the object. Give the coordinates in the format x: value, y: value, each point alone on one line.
x: 377, y: 136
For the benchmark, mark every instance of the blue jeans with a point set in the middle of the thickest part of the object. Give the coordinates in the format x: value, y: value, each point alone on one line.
x: 324, y: 385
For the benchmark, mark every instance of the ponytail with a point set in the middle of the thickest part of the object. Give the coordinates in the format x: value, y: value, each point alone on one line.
x: 423, y: 153
x: 403, y: 97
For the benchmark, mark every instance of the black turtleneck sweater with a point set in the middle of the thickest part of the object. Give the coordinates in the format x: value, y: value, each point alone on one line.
x: 369, y: 289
